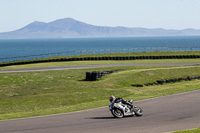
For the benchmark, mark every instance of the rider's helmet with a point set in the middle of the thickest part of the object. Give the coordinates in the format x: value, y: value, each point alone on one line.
x: 112, y: 98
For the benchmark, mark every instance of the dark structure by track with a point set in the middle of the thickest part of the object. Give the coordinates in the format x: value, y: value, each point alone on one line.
x: 95, y: 75
x: 101, y: 58
x: 165, y: 81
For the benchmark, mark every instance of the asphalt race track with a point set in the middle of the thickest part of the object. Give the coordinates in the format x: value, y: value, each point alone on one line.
x: 163, y: 114
x: 93, y: 66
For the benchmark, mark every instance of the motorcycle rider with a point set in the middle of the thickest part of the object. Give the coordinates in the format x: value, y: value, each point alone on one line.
x: 113, y: 99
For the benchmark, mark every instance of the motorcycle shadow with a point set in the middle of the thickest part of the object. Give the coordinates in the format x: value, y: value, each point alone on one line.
x: 101, y: 118
x: 108, y: 117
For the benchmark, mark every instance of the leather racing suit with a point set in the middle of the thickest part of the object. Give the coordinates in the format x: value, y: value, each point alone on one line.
x: 123, y: 101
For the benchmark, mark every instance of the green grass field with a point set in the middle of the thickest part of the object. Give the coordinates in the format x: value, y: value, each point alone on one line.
x: 189, y: 131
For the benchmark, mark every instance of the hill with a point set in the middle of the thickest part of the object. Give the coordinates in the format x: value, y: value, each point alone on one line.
x: 70, y: 28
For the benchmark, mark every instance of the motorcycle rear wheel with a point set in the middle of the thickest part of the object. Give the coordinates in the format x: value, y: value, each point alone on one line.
x: 117, y: 113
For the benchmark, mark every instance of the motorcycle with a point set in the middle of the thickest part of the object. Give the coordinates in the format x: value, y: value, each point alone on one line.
x: 119, y: 110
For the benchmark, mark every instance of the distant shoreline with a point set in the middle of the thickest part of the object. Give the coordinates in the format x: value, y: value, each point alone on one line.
x: 101, y: 37
x: 71, y: 28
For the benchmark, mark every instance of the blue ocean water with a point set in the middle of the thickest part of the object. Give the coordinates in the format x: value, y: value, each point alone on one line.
x: 26, y: 47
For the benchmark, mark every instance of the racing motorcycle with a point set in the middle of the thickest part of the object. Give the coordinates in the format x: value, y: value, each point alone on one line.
x: 119, y: 110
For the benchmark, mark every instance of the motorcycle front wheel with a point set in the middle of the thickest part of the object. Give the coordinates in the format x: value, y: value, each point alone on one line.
x: 117, y: 113
x: 138, y: 111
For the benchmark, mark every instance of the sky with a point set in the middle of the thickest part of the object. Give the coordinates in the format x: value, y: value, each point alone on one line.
x: 167, y: 14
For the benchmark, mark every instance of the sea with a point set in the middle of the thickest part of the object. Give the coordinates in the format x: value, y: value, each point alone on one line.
x: 27, y: 47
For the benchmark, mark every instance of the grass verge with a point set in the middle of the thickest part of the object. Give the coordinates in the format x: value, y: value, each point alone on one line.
x: 189, y: 131
x: 71, y: 63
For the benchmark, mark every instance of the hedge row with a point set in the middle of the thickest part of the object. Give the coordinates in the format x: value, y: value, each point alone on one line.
x: 101, y: 58
x: 161, y: 82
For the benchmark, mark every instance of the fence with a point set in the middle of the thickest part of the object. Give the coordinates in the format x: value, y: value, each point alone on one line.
x: 100, y: 51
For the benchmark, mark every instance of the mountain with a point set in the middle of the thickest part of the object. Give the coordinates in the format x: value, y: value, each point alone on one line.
x: 70, y: 28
